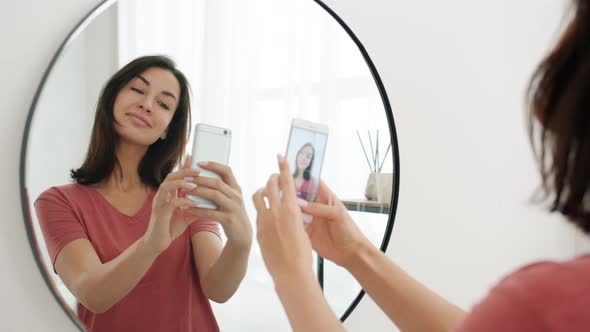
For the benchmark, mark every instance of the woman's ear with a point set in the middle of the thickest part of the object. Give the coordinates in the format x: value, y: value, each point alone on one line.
x: 164, y: 134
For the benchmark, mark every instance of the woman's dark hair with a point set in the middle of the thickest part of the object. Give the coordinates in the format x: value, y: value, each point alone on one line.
x: 307, y: 170
x: 559, y: 98
x: 161, y: 156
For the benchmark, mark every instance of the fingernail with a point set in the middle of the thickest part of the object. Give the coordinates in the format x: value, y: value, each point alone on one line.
x: 202, y: 163
x: 307, y: 218
x: 301, y: 202
x: 280, y: 158
x: 197, y: 168
x: 189, y: 179
x: 191, y: 185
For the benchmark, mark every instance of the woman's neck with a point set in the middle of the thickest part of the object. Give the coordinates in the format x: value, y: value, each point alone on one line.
x: 126, y: 177
x: 299, y: 175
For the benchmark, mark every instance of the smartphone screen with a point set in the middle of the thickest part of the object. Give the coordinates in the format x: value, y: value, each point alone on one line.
x: 210, y: 144
x: 305, y: 154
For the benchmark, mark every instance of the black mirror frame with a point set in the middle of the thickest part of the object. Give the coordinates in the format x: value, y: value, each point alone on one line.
x: 71, y: 36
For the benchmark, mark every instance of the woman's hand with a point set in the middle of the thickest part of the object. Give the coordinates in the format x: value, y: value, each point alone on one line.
x: 167, y: 220
x: 332, y: 232
x: 285, y: 246
x: 227, y: 195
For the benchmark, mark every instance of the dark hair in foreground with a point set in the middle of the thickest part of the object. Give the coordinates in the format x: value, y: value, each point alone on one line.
x: 161, y: 156
x: 559, y: 98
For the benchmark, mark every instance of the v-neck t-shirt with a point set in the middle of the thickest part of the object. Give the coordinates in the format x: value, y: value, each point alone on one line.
x: 167, y: 298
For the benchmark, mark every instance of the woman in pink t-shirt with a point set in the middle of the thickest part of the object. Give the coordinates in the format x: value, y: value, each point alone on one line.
x: 545, y: 296
x: 305, y: 184
x: 135, y: 252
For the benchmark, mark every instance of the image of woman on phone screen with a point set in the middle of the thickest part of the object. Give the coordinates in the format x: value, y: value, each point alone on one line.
x: 304, y: 182
x: 134, y: 251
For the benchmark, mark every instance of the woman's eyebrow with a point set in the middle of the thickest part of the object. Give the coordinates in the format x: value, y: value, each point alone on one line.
x: 144, y: 80
x: 168, y: 94
x: 163, y: 92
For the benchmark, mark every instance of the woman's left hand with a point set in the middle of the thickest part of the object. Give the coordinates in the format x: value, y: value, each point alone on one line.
x: 285, y: 246
x: 227, y: 195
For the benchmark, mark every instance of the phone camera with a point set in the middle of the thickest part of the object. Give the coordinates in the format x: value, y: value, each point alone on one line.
x: 225, y: 132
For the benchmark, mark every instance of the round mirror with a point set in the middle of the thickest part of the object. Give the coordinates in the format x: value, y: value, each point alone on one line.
x: 252, y: 66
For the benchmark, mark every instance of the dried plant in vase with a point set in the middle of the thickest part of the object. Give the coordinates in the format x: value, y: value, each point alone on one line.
x: 379, y: 185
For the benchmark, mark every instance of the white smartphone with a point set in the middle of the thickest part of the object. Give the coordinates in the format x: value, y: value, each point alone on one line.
x: 210, y: 144
x: 305, y: 154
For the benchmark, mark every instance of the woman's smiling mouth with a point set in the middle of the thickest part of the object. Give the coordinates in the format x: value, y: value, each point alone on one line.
x: 139, y: 119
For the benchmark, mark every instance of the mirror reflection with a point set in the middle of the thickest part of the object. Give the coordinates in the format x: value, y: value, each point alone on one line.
x: 116, y: 117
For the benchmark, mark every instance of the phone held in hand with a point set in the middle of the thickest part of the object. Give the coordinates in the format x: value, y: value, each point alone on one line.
x: 305, y: 154
x: 210, y: 144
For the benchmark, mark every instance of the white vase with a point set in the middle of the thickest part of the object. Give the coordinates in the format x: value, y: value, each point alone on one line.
x: 379, y: 187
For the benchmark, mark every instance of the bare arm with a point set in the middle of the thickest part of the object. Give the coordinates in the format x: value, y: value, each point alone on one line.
x: 221, y: 270
x: 287, y: 254
x: 306, y: 306
x: 96, y: 285
x: 408, y: 303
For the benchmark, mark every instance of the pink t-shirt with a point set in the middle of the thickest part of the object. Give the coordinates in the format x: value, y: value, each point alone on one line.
x: 307, y: 190
x: 545, y: 296
x: 168, y: 297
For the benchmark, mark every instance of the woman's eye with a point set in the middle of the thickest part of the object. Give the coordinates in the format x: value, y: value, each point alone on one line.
x: 164, y: 106
x: 137, y: 90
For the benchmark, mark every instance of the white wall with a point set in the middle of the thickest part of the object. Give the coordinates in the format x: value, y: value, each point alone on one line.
x: 455, y: 72
x: 31, y: 31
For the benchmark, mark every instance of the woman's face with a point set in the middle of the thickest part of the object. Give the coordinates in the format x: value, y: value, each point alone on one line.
x: 145, y: 106
x: 304, y: 157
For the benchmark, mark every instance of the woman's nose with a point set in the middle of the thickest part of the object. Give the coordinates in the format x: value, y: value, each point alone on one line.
x: 146, y: 106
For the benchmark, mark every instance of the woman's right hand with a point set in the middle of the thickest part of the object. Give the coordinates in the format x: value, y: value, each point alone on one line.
x: 168, y: 219
x: 332, y: 232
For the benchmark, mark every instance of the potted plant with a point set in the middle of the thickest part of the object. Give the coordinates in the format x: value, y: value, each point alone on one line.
x: 379, y: 185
